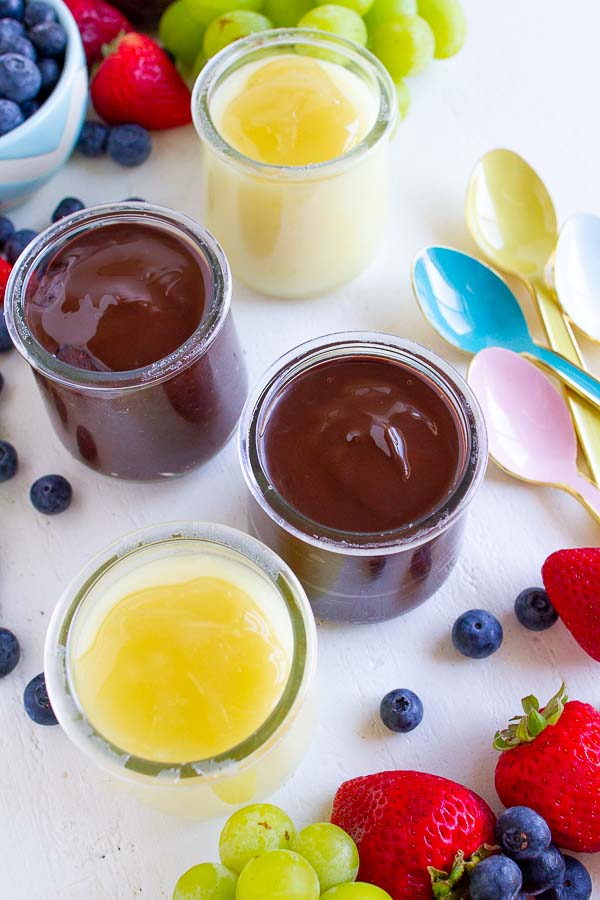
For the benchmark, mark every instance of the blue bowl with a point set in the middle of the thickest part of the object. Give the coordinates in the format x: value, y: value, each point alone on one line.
x: 32, y: 153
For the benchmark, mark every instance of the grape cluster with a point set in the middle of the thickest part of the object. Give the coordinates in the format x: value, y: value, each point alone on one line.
x: 262, y: 856
x: 404, y: 34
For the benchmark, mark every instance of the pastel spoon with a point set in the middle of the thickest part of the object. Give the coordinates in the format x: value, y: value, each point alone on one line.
x: 473, y: 308
x: 513, y: 220
x: 530, y: 432
x: 577, y: 272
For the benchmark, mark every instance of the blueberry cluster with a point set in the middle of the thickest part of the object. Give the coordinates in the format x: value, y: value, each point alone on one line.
x: 128, y: 145
x: 529, y: 864
x: 32, y: 49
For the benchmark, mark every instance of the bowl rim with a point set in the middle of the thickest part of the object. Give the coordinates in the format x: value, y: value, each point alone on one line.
x: 74, y: 58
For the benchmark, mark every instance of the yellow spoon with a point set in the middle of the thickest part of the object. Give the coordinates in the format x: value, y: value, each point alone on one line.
x: 513, y: 221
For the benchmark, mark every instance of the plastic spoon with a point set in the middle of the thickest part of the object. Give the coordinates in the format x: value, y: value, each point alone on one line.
x: 577, y: 272
x: 530, y: 432
x: 512, y: 219
x: 473, y: 308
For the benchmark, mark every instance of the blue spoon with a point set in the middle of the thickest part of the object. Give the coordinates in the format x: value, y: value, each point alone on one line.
x: 473, y: 308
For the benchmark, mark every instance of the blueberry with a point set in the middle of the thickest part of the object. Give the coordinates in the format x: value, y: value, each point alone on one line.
x: 11, y: 9
x: 93, y: 139
x: 1, y: 382
x: 521, y: 832
x: 129, y: 145
x: 20, y: 45
x: 7, y: 229
x: 544, y: 871
x: 20, y: 78
x: 50, y: 72
x: 401, y: 711
x: 10, y: 30
x: 51, y: 494
x: 477, y: 634
x: 495, y: 878
x: 11, y: 116
x: 577, y: 884
x: 36, y: 12
x: 29, y: 108
x: 5, y: 342
x: 17, y: 243
x: 67, y: 207
x: 37, y: 702
x: 10, y: 652
x: 534, y: 610
x: 134, y: 200
x: 9, y: 461
x: 49, y: 38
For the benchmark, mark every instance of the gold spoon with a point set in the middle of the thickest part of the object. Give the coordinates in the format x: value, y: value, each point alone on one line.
x: 513, y: 221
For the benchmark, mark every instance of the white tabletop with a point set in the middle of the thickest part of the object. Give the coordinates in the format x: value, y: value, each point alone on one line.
x: 527, y: 79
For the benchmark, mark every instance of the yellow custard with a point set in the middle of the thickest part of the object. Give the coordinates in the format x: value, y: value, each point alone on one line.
x: 186, y: 664
x: 296, y: 111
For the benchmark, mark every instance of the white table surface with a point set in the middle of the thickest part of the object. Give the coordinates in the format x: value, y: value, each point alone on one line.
x: 527, y: 79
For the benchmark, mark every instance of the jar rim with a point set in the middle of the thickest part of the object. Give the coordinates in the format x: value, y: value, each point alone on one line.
x: 41, y: 360
x: 71, y: 714
x: 221, y: 65
x: 356, y: 343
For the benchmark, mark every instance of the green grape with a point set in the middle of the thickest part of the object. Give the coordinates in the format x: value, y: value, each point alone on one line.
x: 331, y: 852
x: 357, y: 891
x: 204, y: 11
x: 207, y: 881
x: 448, y: 23
x: 404, y: 44
x: 252, y: 830
x: 287, y: 13
x: 179, y: 33
x: 337, y: 19
x: 360, y: 6
x: 382, y: 10
x: 231, y: 27
x: 278, y: 874
x: 199, y: 64
x: 403, y: 95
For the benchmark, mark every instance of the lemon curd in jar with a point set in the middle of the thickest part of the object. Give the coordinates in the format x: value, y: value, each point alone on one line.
x: 296, y: 154
x: 183, y: 658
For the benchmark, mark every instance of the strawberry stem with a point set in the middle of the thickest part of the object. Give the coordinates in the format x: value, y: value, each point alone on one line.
x: 525, y: 728
x: 454, y: 885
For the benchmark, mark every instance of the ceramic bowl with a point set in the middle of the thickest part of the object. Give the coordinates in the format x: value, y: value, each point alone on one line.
x: 32, y: 153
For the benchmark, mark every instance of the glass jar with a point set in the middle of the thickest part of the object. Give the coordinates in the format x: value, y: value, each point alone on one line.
x: 296, y: 231
x: 361, y: 576
x: 158, y: 421
x: 242, y: 774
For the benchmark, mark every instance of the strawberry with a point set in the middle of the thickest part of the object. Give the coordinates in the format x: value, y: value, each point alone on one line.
x: 5, y: 270
x: 572, y: 581
x: 137, y: 82
x: 551, y: 762
x: 406, y: 823
x: 99, y: 23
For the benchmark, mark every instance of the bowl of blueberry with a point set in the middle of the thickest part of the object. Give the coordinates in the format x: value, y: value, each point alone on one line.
x: 43, y: 94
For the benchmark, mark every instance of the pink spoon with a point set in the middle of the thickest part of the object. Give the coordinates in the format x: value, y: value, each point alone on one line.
x: 531, y: 434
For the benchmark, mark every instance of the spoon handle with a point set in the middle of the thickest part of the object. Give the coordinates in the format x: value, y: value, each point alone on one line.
x: 575, y: 378
x: 587, y: 493
x: 561, y: 338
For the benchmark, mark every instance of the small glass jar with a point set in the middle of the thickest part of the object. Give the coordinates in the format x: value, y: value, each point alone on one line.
x: 150, y: 423
x: 297, y: 231
x: 360, y: 576
x: 242, y: 774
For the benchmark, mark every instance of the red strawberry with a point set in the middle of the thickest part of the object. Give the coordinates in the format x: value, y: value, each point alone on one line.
x: 5, y: 270
x: 99, y: 23
x: 572, y: 581
x: 404, y: 822
x: 138, y: 83
x: 551, y: 762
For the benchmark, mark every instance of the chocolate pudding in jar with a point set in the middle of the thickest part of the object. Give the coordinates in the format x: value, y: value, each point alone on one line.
x: 123, y: 314
x: 361, y: 453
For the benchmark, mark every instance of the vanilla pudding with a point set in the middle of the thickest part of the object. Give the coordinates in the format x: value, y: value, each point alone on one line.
x: 295, y: 129
x: 182, y: 661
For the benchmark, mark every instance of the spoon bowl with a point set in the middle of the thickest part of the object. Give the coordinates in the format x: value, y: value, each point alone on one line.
x: 511, y: 214
x: 530, y: 432
x: 577, y: 272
